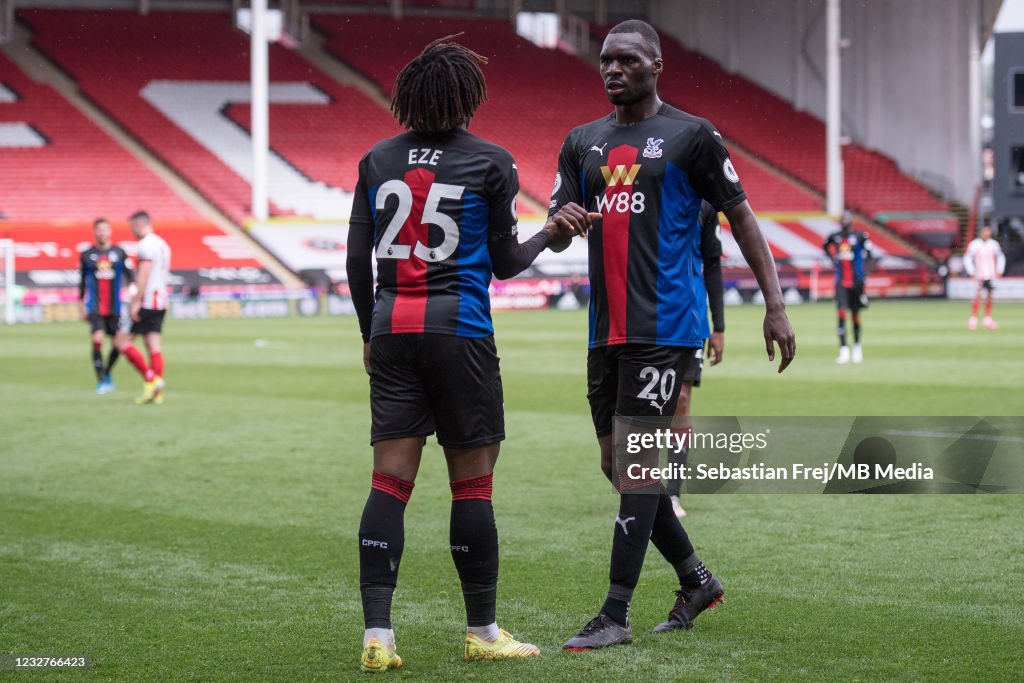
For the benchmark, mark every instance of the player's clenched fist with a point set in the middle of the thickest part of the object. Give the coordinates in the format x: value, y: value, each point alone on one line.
x: 568, y: 222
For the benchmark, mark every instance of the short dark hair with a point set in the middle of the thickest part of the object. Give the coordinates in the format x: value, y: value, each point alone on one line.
x: 96, y: 223
x: 440, y: 89
x: 139, y: 216
x: 644, y: 29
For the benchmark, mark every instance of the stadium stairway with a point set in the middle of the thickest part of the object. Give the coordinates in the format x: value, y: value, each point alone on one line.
x: 114, y: 175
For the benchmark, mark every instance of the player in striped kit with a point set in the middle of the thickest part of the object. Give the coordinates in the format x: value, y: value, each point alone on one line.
x: 148, y: 307
x: 849, y: 250
x: 435, y: 207
x: 646, y: 167
x: 985, y: 262
x: 104, y: 268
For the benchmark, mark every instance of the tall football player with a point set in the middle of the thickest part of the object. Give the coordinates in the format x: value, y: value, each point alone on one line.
x: 436, y: 207
x: 104, y: 270
x: 646, y: 167
x: 147, y: 309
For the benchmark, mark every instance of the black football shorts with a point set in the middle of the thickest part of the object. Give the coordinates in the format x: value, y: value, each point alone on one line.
x: 694, y: 366
x: 426, y: 383
x: 851, y: 298
x: 636, y: 380
x: 107, y: 323
x: 150, y: 320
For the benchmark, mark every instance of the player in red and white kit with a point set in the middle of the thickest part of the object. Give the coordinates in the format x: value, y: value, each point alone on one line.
x: 148, y: 307
x: 985, y: 262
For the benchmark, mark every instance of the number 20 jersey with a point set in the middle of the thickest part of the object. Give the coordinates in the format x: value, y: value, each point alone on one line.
x: 647, y: 180
x: 432, y: 203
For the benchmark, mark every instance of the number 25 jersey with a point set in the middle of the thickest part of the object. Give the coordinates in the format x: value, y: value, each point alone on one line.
x: 647, y: 180
x: 432, y: 203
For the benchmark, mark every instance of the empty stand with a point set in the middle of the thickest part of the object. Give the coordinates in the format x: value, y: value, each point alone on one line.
x: 56, y: 164
x: 169, y: 78
x: 535, y: 95
x: 784, y: 137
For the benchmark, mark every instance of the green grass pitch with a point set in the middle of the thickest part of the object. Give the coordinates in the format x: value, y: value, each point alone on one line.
x: 214, y: 538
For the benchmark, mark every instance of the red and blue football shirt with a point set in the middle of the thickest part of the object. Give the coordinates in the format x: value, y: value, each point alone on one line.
x: 430, y: 204
x: 647, y: 180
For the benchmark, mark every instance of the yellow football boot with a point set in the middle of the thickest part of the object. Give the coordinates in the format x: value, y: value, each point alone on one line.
x: 153, y: 390
x: 505, y: 647
x: 378, y: 657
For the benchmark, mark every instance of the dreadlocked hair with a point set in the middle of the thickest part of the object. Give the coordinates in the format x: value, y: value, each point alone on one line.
x: 440, y: 89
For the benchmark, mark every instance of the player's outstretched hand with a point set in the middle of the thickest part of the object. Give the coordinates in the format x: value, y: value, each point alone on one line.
x: 573, y: 220
x: 777, y: 330
x: 716, y: 347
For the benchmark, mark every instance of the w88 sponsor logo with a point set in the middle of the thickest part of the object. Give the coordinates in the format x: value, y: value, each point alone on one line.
x: 621, y: 202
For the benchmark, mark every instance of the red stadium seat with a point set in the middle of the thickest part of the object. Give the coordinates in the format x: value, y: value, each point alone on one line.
x: 79, y: 172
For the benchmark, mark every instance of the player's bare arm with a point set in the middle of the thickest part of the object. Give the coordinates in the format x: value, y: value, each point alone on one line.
x: 142, y: 279
x: 716, y: 347
x: 777, y: 329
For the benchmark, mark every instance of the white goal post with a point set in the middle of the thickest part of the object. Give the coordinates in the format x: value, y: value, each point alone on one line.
x: 7, y: 287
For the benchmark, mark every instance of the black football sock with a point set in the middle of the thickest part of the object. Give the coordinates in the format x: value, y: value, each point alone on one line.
x: 474, y: 546
x: 616, y: 605
x: 669, y: 536
x: 97, y: 361
x: 856, y: 329
x: 631, y: 534
x: 692, y: 572
x: 111, y: 359
x: 381, y: 541
x: 675, y: 484
x: 842, y: 330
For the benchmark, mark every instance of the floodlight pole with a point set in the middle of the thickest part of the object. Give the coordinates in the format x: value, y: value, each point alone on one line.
x: 6, y: 20
x: 834, y: 112
x: 259, y: 77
